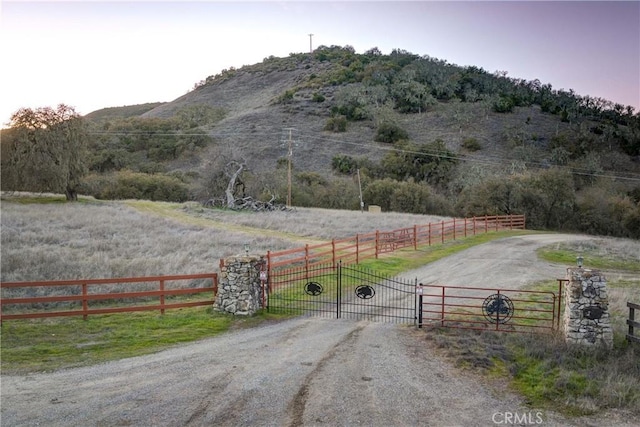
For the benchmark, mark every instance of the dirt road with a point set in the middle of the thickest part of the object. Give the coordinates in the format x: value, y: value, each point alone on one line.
x: 305, y: 371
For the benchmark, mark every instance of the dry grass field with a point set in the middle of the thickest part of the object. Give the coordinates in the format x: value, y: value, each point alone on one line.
x: 97, y: 239
x: 44, y: 238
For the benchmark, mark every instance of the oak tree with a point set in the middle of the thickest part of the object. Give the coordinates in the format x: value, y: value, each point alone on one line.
x: 45, y: 150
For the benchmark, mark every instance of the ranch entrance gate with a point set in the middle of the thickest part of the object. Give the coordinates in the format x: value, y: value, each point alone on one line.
x: 353, y: 292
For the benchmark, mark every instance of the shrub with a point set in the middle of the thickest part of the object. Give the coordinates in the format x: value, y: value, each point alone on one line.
x: 286, y: 97
x: 336, y: 124
x: 344, y: 164
x: 503, y: 105
x: 318, y: 97
x: 471, y: 144
x: 135, y: 185
x: 390, y: 133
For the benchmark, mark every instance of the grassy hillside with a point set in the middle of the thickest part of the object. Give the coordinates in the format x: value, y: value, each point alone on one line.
x: 115, y: 113
x: 426, y: 136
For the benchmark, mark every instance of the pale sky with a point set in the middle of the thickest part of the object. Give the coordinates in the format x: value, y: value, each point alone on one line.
x: 93, y: 55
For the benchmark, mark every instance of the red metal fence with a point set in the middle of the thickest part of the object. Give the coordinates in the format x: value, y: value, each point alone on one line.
x: 75, y: 296
x: 370, y: 245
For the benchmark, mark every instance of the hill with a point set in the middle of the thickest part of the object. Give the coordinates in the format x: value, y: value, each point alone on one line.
x: 114, y: 113
x: 428, y: 98
x: 406, y: 132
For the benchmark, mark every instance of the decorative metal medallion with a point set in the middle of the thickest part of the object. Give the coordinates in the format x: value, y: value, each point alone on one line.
x: 497, y: 308
x: 313, y: 288
x: 365, y: 292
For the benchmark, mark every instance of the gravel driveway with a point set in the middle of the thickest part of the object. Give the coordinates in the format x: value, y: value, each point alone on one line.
x: 304, y: 371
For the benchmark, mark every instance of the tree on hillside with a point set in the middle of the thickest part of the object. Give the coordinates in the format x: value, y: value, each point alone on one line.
x: 45, y: 150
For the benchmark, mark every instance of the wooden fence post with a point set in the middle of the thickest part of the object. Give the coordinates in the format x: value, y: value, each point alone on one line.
x: 85, y: 304
x: 454, y: 229
x: 357, y: 249
x: 333, y: 251
x: 161, y: 296
x: 306, y: 259
x: 377, y: 242
x: 415, y: 237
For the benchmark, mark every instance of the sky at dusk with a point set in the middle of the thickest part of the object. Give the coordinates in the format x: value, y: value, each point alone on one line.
x: 93, y: 55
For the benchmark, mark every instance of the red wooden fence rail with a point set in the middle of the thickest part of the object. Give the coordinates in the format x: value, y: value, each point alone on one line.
x: 369, y: 245
x: 85, y: 296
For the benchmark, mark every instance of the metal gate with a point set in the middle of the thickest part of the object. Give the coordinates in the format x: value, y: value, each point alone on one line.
x: 342, y: 291
x: 504, y: 310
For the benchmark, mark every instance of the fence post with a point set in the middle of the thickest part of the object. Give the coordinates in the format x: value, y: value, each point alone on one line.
x: 306, y: 259
x: 498, y: 310
x: 486, y: 224
x: 454, y: 229
x: 161, y: 296
x: 377, y: 242
x: 474, y: 225
x: 420, y: 311
x: 415, y: 237
x: 560, y: 290
x: 465, y: 226
x: 442, y: 307
x: 442, y: 232
x: 85, y: 304
x: 631, y: 321
x: 333, y: 251
x: 268, y: 271
x: 429, y: 234
x: 357, y: 250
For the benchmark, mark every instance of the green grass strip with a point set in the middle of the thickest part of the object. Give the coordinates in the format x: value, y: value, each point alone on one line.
x: 590, y: 260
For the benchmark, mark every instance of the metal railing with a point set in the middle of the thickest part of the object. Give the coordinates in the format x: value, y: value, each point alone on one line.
x: 74, y: 297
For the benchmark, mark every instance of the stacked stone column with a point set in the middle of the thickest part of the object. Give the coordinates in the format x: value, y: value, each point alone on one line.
x: 240, y: 288
x: 586, y: 311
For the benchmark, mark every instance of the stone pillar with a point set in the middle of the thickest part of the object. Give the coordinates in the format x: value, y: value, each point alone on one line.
x: 586, y: 310
x: 240, y: 290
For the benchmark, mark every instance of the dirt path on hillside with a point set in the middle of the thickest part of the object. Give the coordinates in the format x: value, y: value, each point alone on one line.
x: 304, y: 371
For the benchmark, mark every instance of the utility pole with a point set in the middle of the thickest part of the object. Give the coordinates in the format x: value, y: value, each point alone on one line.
x: 360, y: 187
x: 290, y: 154
x: 310, y: 44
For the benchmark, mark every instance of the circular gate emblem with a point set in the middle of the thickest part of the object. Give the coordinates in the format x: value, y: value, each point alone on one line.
x: 497, y: 308
x: 313, y: 288
x: 365, y: 292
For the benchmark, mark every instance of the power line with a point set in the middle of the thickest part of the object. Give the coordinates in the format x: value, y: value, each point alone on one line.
x: 497, y: 161
x: 487, y: 160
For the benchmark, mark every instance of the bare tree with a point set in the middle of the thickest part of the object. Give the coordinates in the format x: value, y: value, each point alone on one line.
x: 233, y: 179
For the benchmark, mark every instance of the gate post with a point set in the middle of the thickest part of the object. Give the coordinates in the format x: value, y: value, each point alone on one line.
x: 240, y: 290
x: 586, y: 313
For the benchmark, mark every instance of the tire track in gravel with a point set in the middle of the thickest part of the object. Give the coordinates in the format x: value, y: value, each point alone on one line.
x: 299, y: 402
